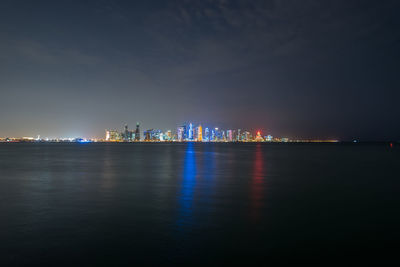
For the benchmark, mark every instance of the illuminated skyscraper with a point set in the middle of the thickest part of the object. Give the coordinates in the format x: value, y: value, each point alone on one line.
x: 199, y: 133
x: 126, y: 134
x: 190, y: 132
x: 148, y: 135
x: 137, y: 132
x: 246, y: 136
x: 239, y: 135
x: 195, y: 133
x: 216, y: 136
x: 181, y: 133
x: 153, y: 135
x: 168, y: 135
x: 158, y: 135
x: 207, y: 134
x: 229, y: 135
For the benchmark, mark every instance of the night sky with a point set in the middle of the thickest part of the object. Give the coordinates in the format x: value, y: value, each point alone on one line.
x: 308, y: 69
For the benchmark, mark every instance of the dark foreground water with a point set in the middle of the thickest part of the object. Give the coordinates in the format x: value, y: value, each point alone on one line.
x: 108, y: 204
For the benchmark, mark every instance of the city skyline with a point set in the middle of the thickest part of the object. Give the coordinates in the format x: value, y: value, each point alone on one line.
x: 184, y: 132
x: 76, y: 133
x: 187, y: 132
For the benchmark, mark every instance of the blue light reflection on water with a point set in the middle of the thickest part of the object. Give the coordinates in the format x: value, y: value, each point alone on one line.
x: 188, y: 185
x: 195, y: 200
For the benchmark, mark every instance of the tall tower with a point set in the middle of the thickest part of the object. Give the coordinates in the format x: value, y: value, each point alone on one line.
x: 216, y: 136
x: 190, y: 132
x: 200, y: 134
x: 207, y: 134
x: 181, y: 133
x: 126, y: 133
x: 229, y: 136
x: 137, y: 132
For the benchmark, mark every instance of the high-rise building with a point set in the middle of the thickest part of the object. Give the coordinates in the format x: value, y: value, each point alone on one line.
x: 239, y: 135
x: 168, y: 135
x: 234, y: 135
x: 181, y: 133
x: 148, y: 135
x: 126, y: 133
x: 137, y: 132
x: 216, y: 136
x: 207, y: 134
x: 199, y: 133
x: 195, y: 133
x: 229, y: 135
x: 128, y: 136
x: 246, y: 136
x: 190, y: 132
x: 113, y: 136
x: 158, y: 135
x: 153, y: 135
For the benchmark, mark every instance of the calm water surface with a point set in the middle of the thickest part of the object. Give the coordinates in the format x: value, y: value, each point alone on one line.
x: 107, y: 204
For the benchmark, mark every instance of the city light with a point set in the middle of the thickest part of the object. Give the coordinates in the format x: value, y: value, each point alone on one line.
x: 189, y: 132
x: 186, y: 132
